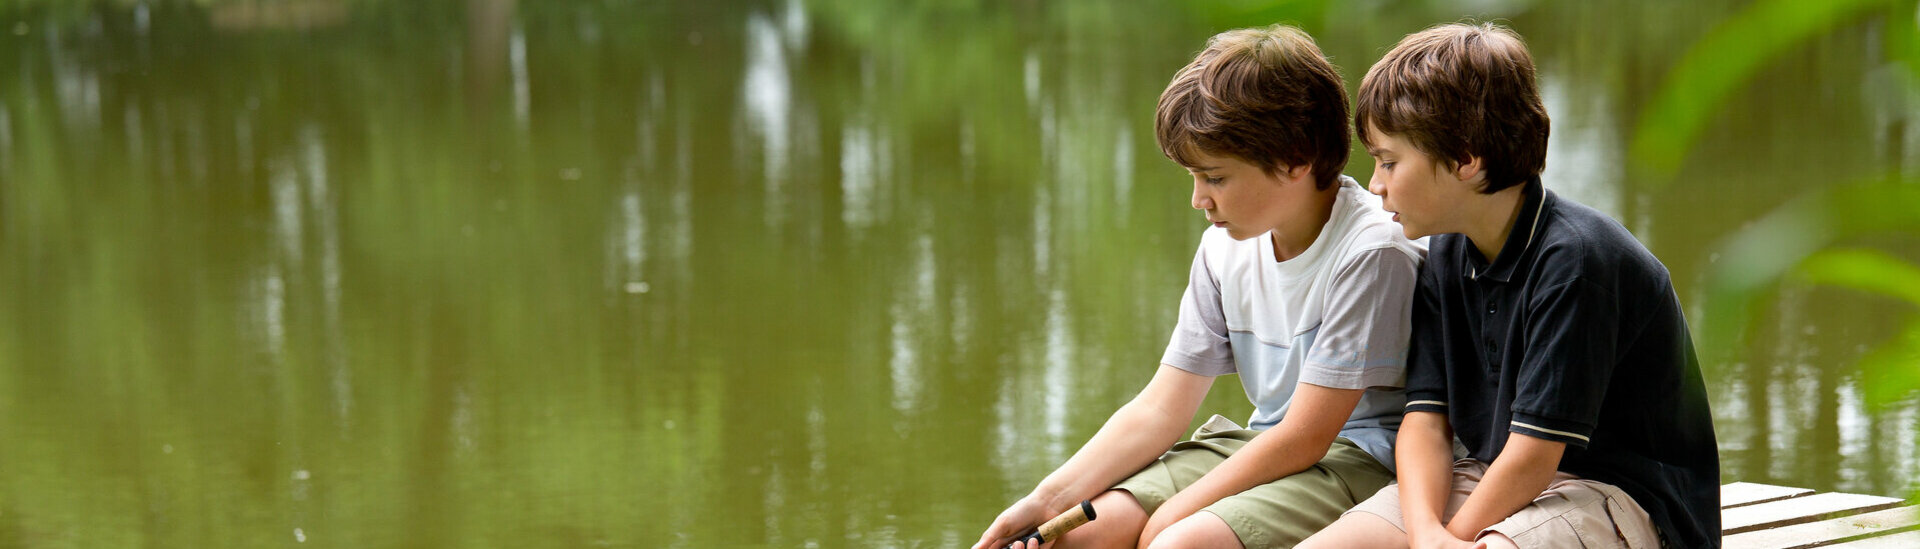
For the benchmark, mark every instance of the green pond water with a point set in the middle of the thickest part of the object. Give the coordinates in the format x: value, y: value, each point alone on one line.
x: 341, y: 273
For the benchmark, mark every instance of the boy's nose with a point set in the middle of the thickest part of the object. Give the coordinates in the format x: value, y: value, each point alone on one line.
x: 1376, y: 187
x: 1200, y: 199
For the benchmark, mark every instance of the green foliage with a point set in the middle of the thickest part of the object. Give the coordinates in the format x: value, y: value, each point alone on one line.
x: 1808, y: 240
x: 1864, y: 269
x: 1889, y: 370
x: 1727, y: 57
x: 1797, y: 241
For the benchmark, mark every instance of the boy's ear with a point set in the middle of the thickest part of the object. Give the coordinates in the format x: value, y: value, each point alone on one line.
x: 1473, y: 169
x: 1295, y: 174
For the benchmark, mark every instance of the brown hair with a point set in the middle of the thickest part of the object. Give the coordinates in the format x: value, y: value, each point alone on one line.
x: 1461, y: 90
x: 1266, y: 96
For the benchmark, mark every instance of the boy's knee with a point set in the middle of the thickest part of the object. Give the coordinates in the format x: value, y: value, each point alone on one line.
x: 1117, y: 523
x: 1356, y: 530
x: 1202, y: 530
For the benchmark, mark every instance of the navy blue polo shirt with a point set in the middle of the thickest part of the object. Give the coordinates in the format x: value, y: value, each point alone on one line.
x: 1573, y: 335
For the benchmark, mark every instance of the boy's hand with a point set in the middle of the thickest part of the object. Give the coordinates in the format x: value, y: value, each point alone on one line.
x: 1024, y: 515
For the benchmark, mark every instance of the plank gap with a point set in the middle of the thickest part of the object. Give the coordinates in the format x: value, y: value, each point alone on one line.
x: 1800, y: 510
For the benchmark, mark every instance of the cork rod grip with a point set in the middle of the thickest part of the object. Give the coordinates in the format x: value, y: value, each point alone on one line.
x: 1059, y: 525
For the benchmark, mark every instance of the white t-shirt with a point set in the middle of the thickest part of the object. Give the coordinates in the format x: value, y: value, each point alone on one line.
x: 1335, y: 316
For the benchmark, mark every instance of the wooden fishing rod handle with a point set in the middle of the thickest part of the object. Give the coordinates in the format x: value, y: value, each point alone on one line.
x: 1059, y: 525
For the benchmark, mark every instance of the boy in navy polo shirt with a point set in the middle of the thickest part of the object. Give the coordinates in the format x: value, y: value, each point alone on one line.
x: 1545, y: 336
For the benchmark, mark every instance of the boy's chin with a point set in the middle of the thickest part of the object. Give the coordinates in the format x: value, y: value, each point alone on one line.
x: 1412, y: 232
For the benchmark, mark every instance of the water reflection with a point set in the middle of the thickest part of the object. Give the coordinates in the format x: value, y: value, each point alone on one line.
x: 766, y: 92
x: 781, y: 274
x: 1583, y: 151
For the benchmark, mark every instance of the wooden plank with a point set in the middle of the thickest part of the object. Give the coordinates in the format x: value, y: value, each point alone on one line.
x: 1814, y: 534
x: 1741, y: 494
x: 1904, y: 540
x: 1798, y: 510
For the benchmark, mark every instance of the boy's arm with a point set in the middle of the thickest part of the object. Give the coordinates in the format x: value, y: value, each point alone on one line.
x: 1568, y: 363
x: 1525, y: 466
x: 1156, y: 418
x: 1138, y: 432
x: 1300, y: 440
x: 1361, y: 343
x: 1424, y: 452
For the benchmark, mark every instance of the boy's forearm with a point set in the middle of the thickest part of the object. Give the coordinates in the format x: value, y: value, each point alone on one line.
x: 1301, y: 440
x: 1424, y: 452
x: 1136, y: 433
x: 1268, y: 457
x: 1524, y: 469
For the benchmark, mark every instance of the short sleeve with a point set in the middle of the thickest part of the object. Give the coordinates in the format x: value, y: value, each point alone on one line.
x: 1426, y: 363
x: 1570, y: 355
x: 1362, y: 342
x: 1199, y: 343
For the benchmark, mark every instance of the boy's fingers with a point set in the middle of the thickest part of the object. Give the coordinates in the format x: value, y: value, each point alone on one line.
x: 991, y: 540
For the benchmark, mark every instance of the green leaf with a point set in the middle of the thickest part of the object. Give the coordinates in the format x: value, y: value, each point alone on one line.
x: 1727, y: 57
x: 1866, y: 270
x: 1891, y: 371
x: 1755, y: 258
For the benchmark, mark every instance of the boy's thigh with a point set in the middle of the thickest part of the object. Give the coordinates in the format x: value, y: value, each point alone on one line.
x: 1183, y: 465
x: 1596, y: 514
x: 1277, y: 514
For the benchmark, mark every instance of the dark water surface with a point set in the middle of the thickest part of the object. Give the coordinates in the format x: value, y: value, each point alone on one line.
x: 441, y: 274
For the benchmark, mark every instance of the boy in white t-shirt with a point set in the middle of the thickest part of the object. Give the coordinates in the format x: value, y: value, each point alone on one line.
x: 1303, y: 287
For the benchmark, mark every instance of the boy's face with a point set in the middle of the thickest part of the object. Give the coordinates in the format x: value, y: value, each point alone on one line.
x: 1420, y: 192
x: 1244, y: 199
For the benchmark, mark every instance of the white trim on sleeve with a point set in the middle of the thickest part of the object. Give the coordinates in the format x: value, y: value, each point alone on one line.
x: 1551, y: 431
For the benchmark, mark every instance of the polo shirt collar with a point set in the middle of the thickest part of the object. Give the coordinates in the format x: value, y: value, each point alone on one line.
x: 1519, y: 240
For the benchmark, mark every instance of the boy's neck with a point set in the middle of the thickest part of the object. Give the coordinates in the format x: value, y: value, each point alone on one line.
x: 1294, y: 236
x: 1493, y: 219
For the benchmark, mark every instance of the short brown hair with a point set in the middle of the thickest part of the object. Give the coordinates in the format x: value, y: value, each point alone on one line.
x: 1266, y: 96
x: 1461, y: 90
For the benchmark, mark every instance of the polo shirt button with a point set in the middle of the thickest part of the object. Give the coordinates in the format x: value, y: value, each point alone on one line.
x: 1490, y: 309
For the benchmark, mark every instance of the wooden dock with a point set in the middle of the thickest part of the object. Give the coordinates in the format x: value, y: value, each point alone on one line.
x: 1757, y: 516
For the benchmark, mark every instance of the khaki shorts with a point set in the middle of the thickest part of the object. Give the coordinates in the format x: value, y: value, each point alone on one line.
x: 1595, y: 513
x: 1276, y: 514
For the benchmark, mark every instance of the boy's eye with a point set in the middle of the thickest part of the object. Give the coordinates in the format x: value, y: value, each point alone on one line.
x: 1386, y: 165
x: 1215, y: 180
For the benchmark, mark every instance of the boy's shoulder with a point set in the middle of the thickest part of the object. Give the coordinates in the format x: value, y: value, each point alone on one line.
x: 1578, y: 241
x: 1563, y: 241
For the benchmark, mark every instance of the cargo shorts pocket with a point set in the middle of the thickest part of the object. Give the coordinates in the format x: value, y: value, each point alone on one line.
x: 1550, y: 521
x: 1589, y: 514
x: 1629, y: 521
